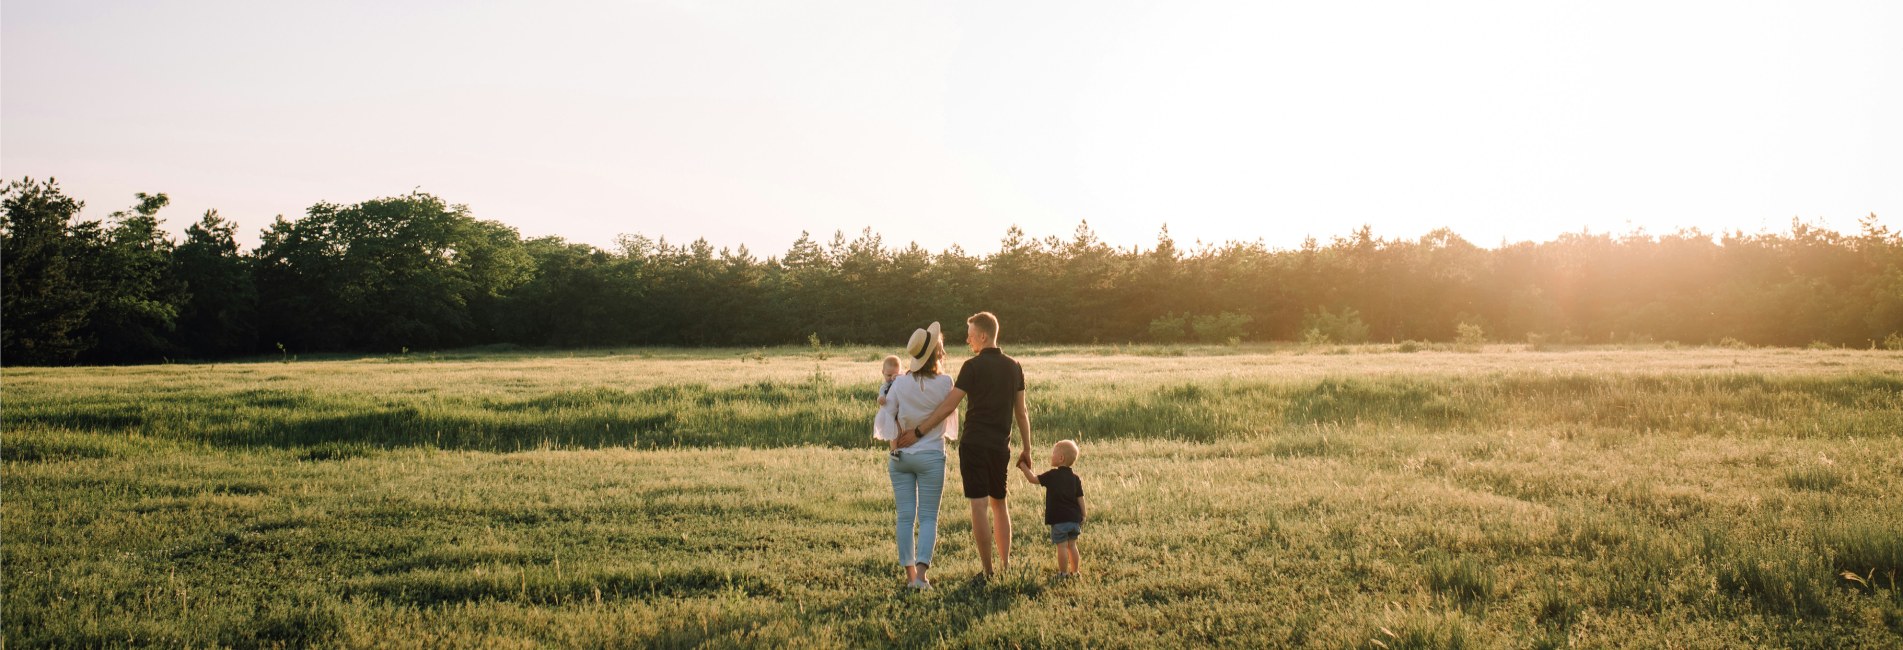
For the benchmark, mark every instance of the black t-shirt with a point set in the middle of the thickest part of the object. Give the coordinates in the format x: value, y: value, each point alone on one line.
x: 1062, y: 489
x: 991, y: 382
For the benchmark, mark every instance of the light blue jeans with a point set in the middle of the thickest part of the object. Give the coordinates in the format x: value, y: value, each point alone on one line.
x: 918, y: 478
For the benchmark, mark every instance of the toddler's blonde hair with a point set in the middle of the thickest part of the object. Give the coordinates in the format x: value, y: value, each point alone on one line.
x: 1065, y: 451
x: 892, y: 361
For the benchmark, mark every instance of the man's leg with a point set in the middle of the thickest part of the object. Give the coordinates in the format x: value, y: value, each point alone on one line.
x: 981, y: 532
x: 1001, y: 530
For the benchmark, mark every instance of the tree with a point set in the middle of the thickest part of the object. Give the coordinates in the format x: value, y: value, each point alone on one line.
x: 803, y: 287
x: 390, y: 273
x: 220, y: 316
x: 568, y: 301
x: 1021, y: 284
x: 46, y: 300
x: 139, y: 293
x: 1091, y: 276
x: 413, y: 271
x: 858, y: 306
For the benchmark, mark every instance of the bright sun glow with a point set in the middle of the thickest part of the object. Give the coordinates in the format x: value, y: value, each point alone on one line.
x: 748, y: 122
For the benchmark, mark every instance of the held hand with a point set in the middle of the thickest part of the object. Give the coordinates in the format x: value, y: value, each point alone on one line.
x: 1024, y: 461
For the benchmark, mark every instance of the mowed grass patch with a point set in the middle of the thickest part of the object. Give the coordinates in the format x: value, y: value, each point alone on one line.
x: 1226, y: 510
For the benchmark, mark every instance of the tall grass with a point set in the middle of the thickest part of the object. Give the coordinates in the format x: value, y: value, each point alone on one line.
x: 235, y: 410
x: 1268, y: 498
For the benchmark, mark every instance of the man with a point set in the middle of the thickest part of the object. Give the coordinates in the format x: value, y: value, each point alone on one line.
x: 995, y: 384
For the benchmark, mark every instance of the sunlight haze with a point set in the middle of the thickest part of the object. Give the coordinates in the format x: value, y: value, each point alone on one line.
x: 945, y: 123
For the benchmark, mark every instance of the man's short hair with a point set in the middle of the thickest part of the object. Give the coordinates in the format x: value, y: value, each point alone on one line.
x: 985, y: 322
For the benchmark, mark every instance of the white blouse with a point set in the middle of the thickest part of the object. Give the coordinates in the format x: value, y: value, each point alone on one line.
x: 910, y: 401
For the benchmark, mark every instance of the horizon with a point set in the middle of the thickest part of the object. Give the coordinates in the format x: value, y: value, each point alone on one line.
x: 248, y: 237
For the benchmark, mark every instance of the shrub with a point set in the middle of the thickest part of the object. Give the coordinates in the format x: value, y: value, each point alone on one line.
x: 1735, y: 344
x: 1820, y: 345
x: 1168, y: 328
x: 1315, y: 336
x: 1894, y: 341
x: 1220, y: 327
x: 1345, y: 327
x: 1471, y: 336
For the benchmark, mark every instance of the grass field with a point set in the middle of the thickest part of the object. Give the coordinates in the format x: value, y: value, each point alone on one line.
x: 1251, y: 496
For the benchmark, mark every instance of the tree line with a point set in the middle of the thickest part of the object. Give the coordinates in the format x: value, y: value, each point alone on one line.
x: 414, y: 272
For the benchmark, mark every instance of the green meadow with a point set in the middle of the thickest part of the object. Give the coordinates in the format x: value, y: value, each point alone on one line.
x: 1249, y: 496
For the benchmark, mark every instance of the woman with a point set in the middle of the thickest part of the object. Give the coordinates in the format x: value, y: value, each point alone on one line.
x: 918, y: 468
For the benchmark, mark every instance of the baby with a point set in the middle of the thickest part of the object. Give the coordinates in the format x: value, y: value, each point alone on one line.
x: 1063, y: 504
x: 891, y: 371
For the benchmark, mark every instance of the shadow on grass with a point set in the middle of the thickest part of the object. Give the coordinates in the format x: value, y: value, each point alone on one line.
x: 767, y: 414
x: 912, y: 619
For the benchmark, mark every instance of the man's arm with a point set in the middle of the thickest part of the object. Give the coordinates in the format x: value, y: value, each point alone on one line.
x: 938, y: 415
x: 1023, y: 416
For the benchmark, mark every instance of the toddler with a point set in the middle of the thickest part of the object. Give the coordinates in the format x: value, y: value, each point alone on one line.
x: 1063, y: 504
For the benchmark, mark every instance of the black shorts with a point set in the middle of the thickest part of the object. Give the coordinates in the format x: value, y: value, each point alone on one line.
x: 984, y: 470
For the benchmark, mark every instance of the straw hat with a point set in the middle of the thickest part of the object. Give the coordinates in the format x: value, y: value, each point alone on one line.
x: 919, y: 349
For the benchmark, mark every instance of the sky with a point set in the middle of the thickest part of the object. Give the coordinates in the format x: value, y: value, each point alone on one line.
x: 748, y: 122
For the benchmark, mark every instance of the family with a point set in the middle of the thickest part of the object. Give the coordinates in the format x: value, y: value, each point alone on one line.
x: 918, y: 414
